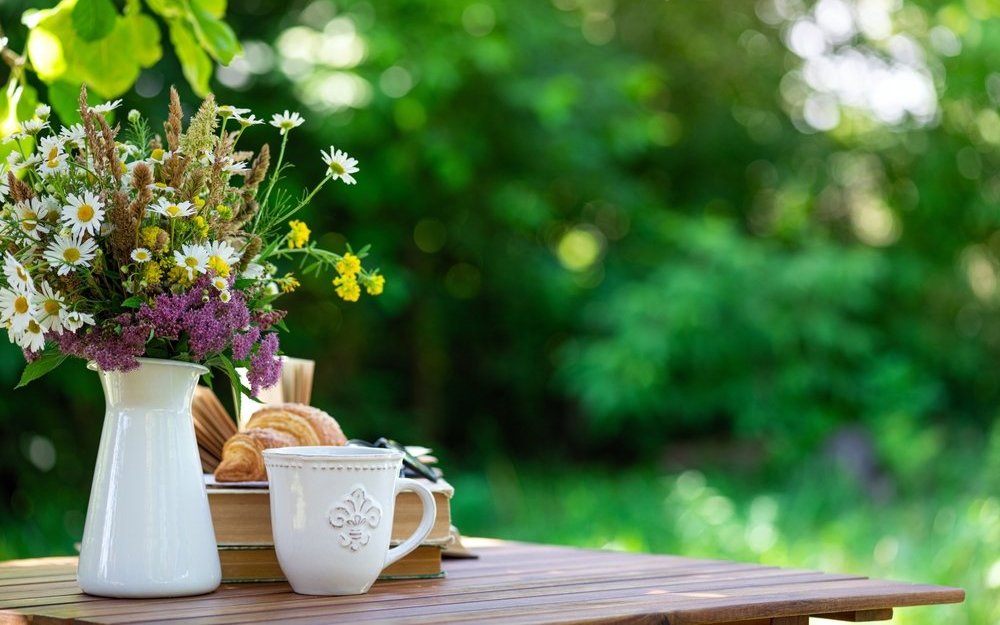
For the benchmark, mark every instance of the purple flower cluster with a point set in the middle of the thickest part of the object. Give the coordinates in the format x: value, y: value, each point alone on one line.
x: 197, y: 317
x: 210, y: 323
x: 113, y: 346
x: 267, y: 319
x: 265, y: 366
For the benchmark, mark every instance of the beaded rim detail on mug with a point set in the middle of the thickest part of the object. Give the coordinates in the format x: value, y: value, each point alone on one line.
x: 329, y: 467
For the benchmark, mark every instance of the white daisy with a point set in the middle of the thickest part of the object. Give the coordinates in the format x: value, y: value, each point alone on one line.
x: 220, y: 284
x: 225, y: 296
x: 252, y: 120
x: 16, y: 308
x: 29, y: 219
x: 222, y: 251
x: 51, y: 147
x: 141, y: 255
x: 17, y: 163
x: 73, y: 134
x: 253, y: 271
x: 107, y: 107
x: 83, y: 214
x: 170, y: 209
x: 43, y: 111
x: 158, y: 155
x: 160, y: 187
x: 193, y: 258
x: 340, y: 165
x: 75, y: 320
x: 17, y: 276
x: 69, y: 252
x: 286, y: 121
x: 227, y: 110
x: 51, y: 308
x: 126, y: 151
x: 13, y: 160
x: 57, y: 165
x: 31, y: 338
x: 235, y: 169
x: 48, y: 209
x: 32, y: 126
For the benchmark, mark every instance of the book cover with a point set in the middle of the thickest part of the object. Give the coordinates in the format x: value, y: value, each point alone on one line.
x: 259, y: 563
x: 242, y: 515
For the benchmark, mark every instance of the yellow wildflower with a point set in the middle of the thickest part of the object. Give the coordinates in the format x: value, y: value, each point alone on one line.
x: 199, y: 201
x: 220, y: 266
x: 298, y: 235
x: 224, y: 212
x: 349, y: 265
x: 289, y: 283
x: 347, y: 287
x: 375, y: 284
x: 179, y: 275
x: 200, y: 226
x: 154, y: 238
x: 152, y: 273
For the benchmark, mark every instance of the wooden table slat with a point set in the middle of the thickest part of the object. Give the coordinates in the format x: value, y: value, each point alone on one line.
x: 511, y: 583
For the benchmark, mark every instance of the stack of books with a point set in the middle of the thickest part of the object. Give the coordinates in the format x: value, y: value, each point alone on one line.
x: 242, y: 520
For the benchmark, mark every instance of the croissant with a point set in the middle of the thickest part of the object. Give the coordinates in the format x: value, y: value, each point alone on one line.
x: 279, y: 425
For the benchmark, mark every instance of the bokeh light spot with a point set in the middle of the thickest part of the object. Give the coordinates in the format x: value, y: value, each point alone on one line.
x: 580, y: 248
x: 479, y: 19
x: 42, y: 453
x: 395, y: 82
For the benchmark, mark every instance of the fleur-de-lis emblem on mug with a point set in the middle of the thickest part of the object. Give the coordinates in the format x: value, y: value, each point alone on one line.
x: 357, y: 514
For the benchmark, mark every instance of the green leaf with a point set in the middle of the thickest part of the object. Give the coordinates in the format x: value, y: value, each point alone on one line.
x: 216, y: 7
x: 109, y: 65
x: 43, y: 365
x: 222, y: 362
x: 17, y: 103
x: 133, y: 302
x: 65, y: 100
x: 195, y: 64
x: 167, y: 9
x: 94, y: 19
x: 215, y: 36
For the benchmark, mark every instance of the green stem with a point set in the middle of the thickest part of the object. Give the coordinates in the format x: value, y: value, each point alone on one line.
x: 277, y: 170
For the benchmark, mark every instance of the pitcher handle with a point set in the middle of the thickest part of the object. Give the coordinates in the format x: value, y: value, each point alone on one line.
x: 426, y: 522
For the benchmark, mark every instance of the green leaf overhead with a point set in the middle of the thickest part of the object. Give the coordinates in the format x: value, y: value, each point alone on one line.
x: 64, y: 97
x: 58, y: 52
x: 216, y: 7
x: 213, y: 34
x: 195, y: 64
x: 17, y: 101
x: 93, y: 19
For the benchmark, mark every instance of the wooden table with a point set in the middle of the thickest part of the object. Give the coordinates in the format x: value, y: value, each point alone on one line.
x: 511, y: 583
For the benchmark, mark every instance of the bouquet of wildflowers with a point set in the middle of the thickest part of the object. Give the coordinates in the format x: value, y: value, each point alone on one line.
x: 119, y: 245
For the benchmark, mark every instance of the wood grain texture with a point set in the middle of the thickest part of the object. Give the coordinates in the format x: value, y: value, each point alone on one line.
x: 511, y: 583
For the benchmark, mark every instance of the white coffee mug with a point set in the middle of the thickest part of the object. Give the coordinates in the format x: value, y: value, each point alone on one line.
x: 332, y: 511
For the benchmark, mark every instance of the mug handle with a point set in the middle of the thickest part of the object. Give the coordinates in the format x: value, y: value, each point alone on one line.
x: 426, y: 522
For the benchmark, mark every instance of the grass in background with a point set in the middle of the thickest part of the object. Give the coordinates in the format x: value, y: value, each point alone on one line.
x: 944, y: 529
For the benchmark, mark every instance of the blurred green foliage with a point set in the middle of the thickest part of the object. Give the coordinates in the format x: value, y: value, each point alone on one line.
x: 943, y: 527
x: 609, y: 226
